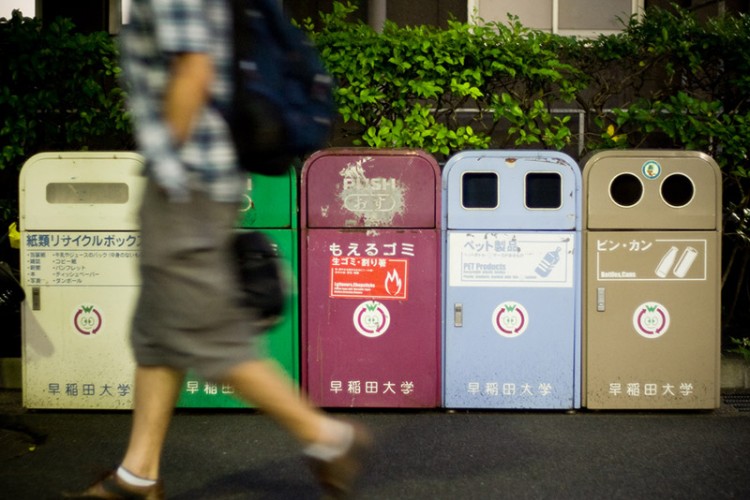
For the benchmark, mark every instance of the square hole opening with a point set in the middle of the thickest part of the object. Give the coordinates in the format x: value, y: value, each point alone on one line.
x: 480, y: 190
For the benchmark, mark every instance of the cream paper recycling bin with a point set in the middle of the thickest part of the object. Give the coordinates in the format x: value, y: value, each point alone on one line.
x: 652, y: 235
x: 79, y: 253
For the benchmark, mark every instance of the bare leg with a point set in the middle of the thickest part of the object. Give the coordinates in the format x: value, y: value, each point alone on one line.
x: 335, y: 449
x: 266, y: 385
x: 156, y: 391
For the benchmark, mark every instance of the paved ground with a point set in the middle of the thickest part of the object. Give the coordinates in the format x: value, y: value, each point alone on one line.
x: 421, y: 454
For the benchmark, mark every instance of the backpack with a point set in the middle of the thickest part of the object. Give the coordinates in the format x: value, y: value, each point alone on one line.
x: 259, y: 274
x: 283, y: 105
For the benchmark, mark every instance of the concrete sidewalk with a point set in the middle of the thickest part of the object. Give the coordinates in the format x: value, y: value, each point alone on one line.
x: 241, y: 454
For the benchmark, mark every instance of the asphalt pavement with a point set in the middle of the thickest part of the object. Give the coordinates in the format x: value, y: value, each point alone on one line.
x: 420, y: 454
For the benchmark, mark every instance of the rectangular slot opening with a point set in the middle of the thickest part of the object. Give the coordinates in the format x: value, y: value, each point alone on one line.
x: 87, y: 192
x: 543, y: 190
x: 479, y: 190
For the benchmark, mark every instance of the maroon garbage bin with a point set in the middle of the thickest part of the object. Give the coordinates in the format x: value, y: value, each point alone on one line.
x: 370, y: 278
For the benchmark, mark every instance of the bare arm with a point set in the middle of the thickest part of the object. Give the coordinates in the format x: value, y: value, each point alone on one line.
x: 188, y: 90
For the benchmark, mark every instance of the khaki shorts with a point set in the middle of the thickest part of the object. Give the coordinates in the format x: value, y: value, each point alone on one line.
x: 187, y: 315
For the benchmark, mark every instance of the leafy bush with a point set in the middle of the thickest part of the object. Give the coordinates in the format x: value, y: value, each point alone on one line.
x: 446, y: 90
x: 665, y: 81
x: 58, y: 91
x: 686, y: 86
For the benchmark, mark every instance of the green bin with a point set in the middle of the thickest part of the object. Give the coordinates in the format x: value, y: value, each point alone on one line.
x: 270, y: 206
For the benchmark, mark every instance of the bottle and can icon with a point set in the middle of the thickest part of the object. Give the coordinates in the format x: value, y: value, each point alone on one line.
x: 666, y: 263
x: 684, y: 263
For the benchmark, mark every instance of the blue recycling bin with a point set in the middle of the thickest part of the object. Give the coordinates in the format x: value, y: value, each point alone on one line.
x: 511, y: 280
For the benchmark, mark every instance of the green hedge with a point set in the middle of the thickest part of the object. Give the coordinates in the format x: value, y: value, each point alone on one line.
x: 665, y: 81
x: 413, y: 86
x: 58, y: 91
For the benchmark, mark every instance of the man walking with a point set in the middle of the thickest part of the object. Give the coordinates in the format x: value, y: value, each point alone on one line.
x: 176, y: 59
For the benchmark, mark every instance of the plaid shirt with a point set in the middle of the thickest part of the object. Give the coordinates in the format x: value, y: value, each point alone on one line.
x: 158, y: 30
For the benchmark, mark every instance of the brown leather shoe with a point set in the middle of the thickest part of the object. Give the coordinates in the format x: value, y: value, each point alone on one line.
x: 111, y: 487
x: 338, y: 476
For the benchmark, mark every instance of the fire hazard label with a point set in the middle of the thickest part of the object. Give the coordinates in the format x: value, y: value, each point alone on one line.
x: 375, y: 278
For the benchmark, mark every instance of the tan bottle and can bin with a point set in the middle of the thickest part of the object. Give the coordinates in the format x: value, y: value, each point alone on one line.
x: 652, y: 234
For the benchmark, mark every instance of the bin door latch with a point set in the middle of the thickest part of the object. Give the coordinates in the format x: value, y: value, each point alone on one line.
x: 458, y: 315
x: 36, y: 300
x: 600, y: 299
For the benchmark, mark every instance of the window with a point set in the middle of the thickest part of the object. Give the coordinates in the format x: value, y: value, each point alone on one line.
x: 27, y: 8
x: 565, y: 17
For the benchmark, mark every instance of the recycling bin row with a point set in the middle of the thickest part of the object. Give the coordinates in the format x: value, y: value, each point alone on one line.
x: 510, y: 279
x: 557, y: 289
x: 79, y: 255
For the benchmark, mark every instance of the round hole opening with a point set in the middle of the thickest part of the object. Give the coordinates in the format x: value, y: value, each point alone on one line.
x: 677, y: 190
x: 626, y: 190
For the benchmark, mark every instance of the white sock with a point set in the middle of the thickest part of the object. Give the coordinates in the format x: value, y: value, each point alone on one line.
x: 132, y: 479
x: 337, y: 437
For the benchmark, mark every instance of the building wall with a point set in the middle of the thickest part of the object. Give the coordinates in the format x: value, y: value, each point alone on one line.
x: 563, y: 16
x: 584, y: 17
x: 436, y: 13
x: 403, y: 13
x: 705, y: 9
x: 87, y: 15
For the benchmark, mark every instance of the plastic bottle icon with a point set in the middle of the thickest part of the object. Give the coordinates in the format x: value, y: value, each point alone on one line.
x: 548, y: 263
x: 666, y: 262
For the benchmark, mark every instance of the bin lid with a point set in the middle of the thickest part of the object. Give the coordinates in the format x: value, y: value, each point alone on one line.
x: 81, y: 190
x: 270, y: 202
x: 370, y: 188
x: 512, y: 190
x: 652, y: 189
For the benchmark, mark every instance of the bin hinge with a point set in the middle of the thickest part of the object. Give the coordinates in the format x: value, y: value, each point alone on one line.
x: 36, y: 302
x: 458, y: 315
x: 600, y: 299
